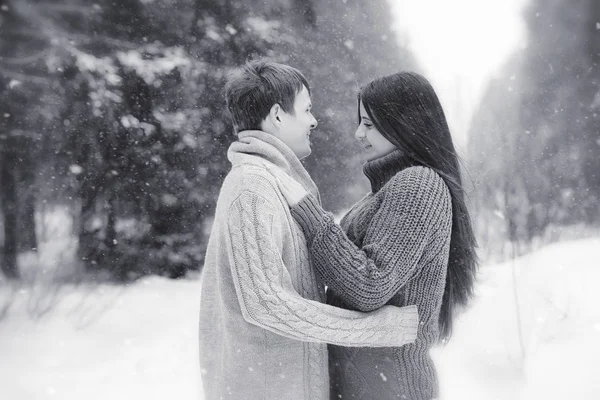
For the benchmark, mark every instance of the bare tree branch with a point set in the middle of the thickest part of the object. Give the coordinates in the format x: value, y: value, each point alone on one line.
x: 66, y: 8
x: 23, y: 60
x: 42, y: 80
x: 85, y: 39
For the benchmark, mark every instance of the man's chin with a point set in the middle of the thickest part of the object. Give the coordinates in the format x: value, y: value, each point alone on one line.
x: 307, y: 152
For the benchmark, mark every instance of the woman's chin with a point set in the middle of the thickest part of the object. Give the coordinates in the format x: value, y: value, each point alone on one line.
x: 371, y: 154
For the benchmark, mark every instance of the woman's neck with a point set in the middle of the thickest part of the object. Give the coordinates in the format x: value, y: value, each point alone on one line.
x: 382, y: 169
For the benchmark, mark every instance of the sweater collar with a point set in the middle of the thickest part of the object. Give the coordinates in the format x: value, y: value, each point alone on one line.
x: 258, y: 147
x: 382, y: 169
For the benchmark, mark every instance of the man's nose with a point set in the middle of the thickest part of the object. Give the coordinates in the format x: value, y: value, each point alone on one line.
x: 314, y: 123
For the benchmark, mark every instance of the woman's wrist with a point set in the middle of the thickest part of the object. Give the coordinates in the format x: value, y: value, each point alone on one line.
x: 310, y: 216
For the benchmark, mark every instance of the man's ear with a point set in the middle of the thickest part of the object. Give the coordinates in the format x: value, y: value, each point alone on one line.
x: 274, y: 115
x: 272, y: 121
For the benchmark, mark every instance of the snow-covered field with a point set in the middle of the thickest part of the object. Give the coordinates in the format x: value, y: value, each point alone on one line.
x: 559, y: 302
x: 140, y: 341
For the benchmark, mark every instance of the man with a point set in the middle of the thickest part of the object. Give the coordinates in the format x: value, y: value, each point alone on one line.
x: 263, y: 324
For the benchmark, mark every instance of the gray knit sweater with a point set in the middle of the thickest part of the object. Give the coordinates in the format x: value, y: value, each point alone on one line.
x: 263, y: 324
x: 392, y: 248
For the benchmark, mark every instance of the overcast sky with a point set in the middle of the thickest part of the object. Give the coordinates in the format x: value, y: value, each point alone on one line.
x: 460, y: 44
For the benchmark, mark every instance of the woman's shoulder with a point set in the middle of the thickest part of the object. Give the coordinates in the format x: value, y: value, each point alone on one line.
x: 418, y: 176
x: 419, y: 182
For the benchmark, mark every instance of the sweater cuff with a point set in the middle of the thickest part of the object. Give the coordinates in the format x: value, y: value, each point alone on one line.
x: 411, y: 323
x: 310, y: 216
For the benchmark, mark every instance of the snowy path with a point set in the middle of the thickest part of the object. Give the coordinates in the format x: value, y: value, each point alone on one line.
x: 136, y: 342
x: 140, y: 341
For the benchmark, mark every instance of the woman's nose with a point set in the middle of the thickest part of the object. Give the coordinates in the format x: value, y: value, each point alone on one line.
x: 359, y: 134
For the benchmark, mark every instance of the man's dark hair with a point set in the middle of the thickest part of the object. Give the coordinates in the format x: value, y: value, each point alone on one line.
x: 254, y: 88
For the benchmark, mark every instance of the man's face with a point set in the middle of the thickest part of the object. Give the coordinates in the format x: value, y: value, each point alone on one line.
x: 295, y: 127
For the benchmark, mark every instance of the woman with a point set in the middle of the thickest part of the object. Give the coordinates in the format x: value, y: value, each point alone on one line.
x: 409, y: 241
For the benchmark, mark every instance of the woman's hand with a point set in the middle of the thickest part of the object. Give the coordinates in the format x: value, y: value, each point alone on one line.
x: 293, y: 191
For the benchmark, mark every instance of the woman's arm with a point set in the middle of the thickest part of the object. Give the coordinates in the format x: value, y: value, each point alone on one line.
x: 267, y: 298
x: 415, y: 210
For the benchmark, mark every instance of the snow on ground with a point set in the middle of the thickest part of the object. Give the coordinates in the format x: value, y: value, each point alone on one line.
x: 104, y: 342
x: 140, y: 341
x: 558, y: 297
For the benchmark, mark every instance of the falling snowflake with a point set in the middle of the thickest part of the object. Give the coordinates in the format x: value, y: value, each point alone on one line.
x: 75, y: 169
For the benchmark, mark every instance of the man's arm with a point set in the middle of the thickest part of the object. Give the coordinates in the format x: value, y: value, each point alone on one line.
x: 268, y: 299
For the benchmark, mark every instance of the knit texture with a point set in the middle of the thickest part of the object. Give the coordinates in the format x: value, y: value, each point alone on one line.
x: 391, y: 248
x: 263, y: 322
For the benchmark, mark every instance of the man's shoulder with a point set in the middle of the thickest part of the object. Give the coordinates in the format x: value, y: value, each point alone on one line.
x: 252, y: 179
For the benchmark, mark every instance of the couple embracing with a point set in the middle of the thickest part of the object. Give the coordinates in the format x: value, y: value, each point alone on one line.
x: 395, y: 268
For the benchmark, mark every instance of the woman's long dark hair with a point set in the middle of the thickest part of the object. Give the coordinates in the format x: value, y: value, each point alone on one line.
x: 406, y: 110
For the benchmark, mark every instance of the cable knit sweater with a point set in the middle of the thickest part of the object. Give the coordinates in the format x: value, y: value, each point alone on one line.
x: 263, y: 322
x: 392, y: 248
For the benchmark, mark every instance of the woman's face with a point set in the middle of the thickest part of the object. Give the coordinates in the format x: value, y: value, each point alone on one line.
x: 372, y: 141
